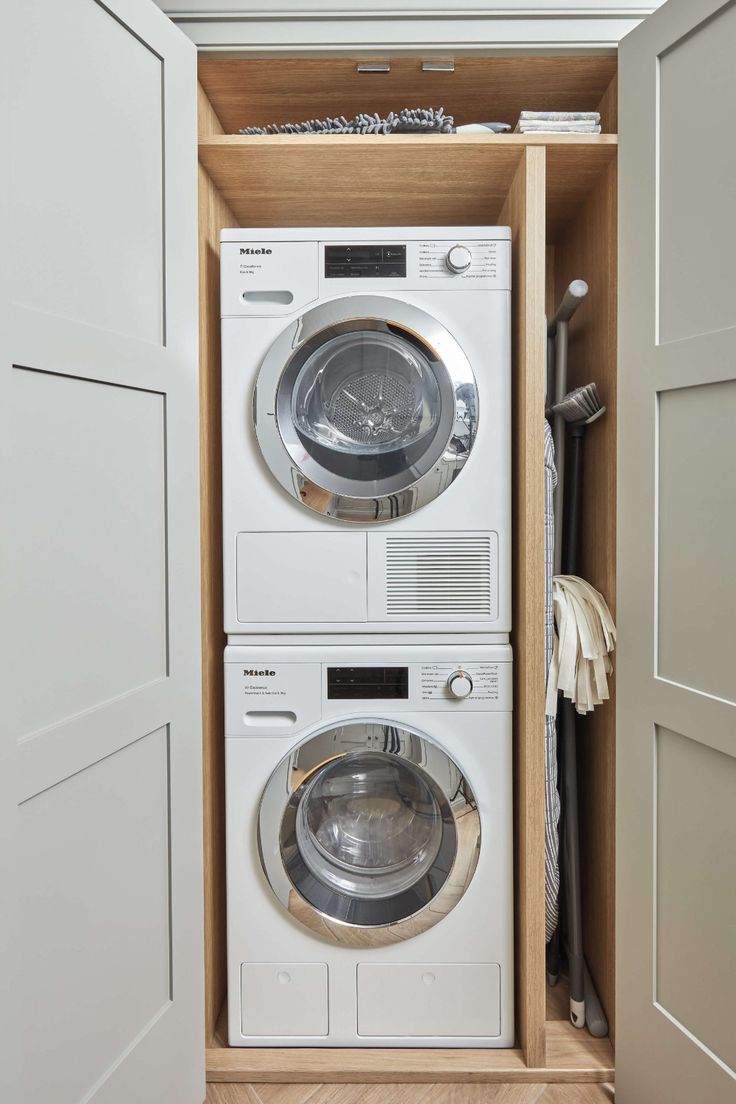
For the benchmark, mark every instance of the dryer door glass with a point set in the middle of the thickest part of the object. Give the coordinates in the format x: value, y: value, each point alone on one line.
x: 366, y: 409
x: 377, y: 819
x: 366, y: 393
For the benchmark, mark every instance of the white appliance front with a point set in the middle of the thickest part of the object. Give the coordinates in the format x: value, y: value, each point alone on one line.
x: 369, y: 846
x: 366, y: 430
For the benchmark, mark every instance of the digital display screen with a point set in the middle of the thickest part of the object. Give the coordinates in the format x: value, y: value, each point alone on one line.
x: 367, y: 260
x: 367, y: 682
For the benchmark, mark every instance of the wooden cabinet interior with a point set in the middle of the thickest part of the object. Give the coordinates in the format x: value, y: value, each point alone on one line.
x: 558, y: 193
x: 253, y: 92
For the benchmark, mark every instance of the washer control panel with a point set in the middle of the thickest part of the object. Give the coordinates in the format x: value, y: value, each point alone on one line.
x: 421, y: 685
x: 470, y: 260
x: 446, y: 681
x: 460, y: 684
x: 269, y: 693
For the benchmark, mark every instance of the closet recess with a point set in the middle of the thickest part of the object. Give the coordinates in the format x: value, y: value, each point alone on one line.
x: 558, y: 194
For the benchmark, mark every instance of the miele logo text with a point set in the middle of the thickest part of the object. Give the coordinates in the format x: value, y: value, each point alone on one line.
x: 252, y: 252
x: 257, y: 674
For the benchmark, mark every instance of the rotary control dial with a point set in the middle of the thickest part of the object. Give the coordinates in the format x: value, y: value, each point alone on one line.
x: 460, y: 684
x: 459, y: 259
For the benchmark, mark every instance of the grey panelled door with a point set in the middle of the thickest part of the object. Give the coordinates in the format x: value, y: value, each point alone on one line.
x: 101, y: 538
x: 676, y: 778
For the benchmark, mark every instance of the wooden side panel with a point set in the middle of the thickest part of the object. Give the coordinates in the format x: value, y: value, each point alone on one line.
x: 213, y: 215
x: 587, y: 248
x: 608, y: 108
x: 524, y: 211
x: 207, y: 120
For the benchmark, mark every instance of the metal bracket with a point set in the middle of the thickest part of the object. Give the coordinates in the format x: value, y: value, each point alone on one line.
x: 438, y: 65
x: 373, y: 67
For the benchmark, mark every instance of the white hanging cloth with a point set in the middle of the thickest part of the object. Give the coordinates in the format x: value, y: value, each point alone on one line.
x: 585, y: 635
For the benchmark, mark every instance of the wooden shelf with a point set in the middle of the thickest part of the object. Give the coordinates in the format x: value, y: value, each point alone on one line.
x: 401, y: 180
x: 573, y: 1056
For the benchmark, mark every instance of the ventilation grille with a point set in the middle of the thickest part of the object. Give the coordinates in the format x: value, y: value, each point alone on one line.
x: 445, y: 577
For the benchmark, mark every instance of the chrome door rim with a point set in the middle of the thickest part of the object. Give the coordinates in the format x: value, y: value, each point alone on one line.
x: 341, y: 498
x: 341, y: 917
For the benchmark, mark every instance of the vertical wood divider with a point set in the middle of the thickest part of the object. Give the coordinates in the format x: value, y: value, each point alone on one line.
x: 524, y: 212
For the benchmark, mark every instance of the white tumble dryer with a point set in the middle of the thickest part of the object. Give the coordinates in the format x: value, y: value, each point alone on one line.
x: 369, y: 845
x: 366, y: 430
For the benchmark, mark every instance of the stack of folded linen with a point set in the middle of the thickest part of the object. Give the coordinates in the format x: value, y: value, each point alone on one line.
x: 558, y: 122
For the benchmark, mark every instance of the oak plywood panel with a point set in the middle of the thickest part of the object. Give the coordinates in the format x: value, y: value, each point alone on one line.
x: 575, y: 169
x: 254, y: 92
x: 573, y: 1056
x: 524, y: 213
x: 356, y: 180
x: 403, y: 180
x: 608, y: 107
x: 586, y: 248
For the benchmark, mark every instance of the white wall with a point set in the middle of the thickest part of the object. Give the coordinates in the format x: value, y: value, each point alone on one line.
x: 379, y: 26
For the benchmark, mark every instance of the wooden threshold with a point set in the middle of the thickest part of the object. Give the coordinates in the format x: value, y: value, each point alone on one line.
x: 401, y: 180
x: 573, y: 1057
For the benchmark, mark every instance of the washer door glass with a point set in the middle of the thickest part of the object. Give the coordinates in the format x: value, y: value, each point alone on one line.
x: 365, y: 408
x: 375, y: 820
x: 370, y: 826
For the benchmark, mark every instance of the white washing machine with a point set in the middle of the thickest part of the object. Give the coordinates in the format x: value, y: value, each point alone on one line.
x: 366, y: 430
x: 369, y: 846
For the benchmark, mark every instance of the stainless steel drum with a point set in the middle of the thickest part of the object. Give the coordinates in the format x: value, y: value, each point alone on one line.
x: 368, y: 832
x: 366, y: 408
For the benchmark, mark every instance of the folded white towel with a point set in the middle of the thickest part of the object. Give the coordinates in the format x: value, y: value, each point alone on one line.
x: 557, y: 128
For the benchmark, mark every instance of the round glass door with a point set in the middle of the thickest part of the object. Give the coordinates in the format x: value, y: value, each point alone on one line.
x: 367, y: 410
x: 364, y: 409
x: 373, y: 826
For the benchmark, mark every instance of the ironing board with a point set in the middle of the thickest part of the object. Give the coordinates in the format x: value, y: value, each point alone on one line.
x: 552, y: 794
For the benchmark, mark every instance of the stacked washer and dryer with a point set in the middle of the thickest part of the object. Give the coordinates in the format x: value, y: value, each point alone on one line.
x: 367, y: 519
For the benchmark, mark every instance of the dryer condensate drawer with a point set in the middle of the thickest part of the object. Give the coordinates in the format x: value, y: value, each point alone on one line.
x: 313, y: 580
x: 301, y: 577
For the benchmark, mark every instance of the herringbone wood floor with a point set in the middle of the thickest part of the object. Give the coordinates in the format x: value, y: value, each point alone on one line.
x: 409, y: 1094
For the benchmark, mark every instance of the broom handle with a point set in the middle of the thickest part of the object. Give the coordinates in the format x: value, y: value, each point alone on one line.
x: 575, y: 292
x: 574, y: 503
x: 571, y: 300
x: 559, y: 427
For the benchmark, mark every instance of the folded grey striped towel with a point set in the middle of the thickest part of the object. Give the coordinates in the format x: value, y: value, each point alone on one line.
x: 557, y: 128
x: 560, y: 116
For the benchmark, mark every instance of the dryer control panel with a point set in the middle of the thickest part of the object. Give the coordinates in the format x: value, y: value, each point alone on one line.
x: 437, y: 264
